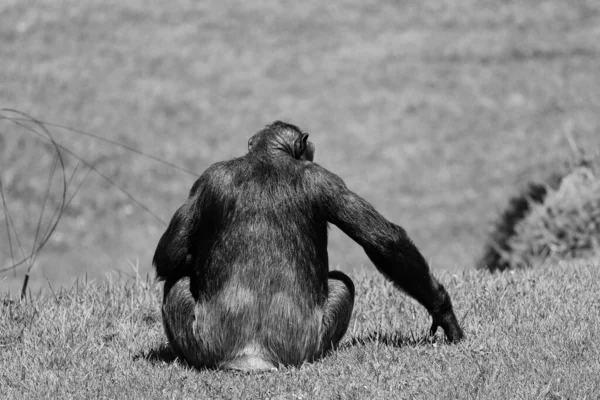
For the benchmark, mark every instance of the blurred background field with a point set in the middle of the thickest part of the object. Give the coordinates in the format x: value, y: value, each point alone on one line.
x: 435, y: 111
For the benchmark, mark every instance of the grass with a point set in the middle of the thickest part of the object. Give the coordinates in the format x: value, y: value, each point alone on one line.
x: 530, y: 334
x: 433, y: 111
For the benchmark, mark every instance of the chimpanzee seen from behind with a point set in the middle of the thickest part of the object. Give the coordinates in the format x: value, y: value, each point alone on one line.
x: 245, y: 265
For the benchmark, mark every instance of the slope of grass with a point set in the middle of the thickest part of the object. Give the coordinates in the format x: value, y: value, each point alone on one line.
x: 430, y: 109
x: 530, y: 334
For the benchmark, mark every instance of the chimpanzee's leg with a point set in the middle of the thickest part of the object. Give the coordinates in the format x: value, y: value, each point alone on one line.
x: 178, y: 319
x: 337, y: 310
x: 198, y: 333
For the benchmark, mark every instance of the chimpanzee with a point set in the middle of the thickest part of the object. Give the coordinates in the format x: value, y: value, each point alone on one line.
x: 245, y: 264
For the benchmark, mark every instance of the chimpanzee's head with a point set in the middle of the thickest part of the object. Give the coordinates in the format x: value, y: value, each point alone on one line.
x: 282, y: 137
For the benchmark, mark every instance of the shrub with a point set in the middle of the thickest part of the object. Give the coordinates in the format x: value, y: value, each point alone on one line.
x: 555, y: 220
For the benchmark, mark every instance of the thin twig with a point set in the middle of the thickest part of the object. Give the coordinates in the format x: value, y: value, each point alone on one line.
x: 113, y: 142
x: 36, y: 249
x: 108, y: 179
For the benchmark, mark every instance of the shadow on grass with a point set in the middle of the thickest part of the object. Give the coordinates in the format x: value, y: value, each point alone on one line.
x: 393, y: 339
x: 164, y: 353
x: 160, y: 353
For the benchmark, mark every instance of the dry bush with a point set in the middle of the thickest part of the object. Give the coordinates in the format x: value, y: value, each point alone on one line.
x: 555, y: 220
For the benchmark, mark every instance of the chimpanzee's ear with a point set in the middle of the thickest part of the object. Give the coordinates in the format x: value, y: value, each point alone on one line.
x: 251, y: 142
x: 304, y: 139
x: 300, y: 146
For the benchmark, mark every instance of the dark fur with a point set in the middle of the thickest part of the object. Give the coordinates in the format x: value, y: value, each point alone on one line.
x: 247, y: 281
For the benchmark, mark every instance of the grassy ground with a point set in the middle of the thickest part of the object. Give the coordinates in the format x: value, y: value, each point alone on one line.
x: 530, y: 334
x: 432, y: 110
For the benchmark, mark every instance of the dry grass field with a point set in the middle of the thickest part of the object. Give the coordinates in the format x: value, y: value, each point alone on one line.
x: 434, y: 111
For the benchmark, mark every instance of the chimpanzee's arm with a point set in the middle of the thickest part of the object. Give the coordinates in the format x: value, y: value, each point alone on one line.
x: 171, y: 258
x: 389, y: 248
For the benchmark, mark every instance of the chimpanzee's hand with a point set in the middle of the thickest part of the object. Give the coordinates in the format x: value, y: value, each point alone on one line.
x: 450, y: 325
